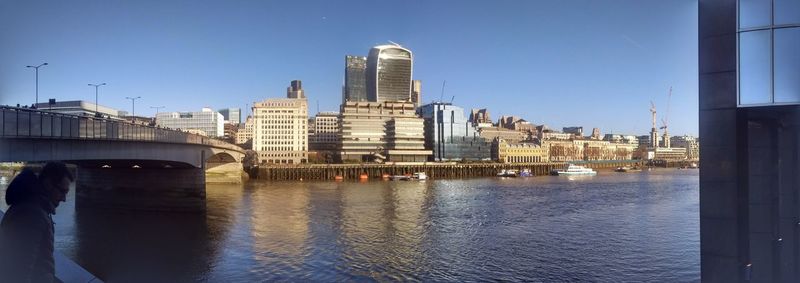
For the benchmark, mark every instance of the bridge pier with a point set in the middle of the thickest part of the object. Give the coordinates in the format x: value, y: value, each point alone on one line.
x: 158, y: 189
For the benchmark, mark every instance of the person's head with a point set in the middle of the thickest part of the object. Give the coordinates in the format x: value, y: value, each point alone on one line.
x: 55, y: 179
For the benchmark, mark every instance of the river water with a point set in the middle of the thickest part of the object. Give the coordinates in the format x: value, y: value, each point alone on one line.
x: 610, y: 227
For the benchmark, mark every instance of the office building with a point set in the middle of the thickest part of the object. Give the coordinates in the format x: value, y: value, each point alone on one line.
x: 379, y: 132
x: 280, y: 129
x: 80, y: 108
x: 355, y: 84
x: 295, y: 90
x: 575, y: 131
x: 323, y: 131
x: 389, y: 73
x: 450, y: 135
x: 231, y: 115
x: 244, y: 135
x: 206, y: 121
x: 505, y: 152
x: 690, y: 143
x: 416, y: 92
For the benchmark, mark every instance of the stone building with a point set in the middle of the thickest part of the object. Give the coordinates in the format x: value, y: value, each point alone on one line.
x: 505, y: 152
x: 280, y: 129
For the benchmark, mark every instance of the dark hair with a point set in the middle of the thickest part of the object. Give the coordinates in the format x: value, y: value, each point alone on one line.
x: 55, y: 171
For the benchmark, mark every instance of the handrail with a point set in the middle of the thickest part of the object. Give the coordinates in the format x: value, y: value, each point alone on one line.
x: 18, y: 122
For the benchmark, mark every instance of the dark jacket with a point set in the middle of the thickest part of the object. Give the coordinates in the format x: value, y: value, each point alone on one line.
x: 26, y: 232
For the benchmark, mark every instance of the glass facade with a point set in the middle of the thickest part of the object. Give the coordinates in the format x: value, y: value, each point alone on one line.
x: 450, y: 135
x: 355, y: 85
x: 388, y: 71
x: 768, y: 44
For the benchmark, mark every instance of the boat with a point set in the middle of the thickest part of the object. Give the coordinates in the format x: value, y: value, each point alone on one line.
x: 573, y: 169
x: 525, y: 173
x: 507, y: 173
x: 419, y: 176
x: 626, y: 169
x: 363, y: 176
x: 400, y: 177
x: 338, y: 178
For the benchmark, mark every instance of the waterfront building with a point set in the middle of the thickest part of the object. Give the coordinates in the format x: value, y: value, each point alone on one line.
x: 450, y: 135
x: 295, y: 90
x: 323, y: 131
x: 378, y: 132
x: 550, y: 135
x: 245, y: 133
x: 512, y: 136
x: 480, y: 118
x: 515, y: 123
x: 505, y: 152
x: 388, y: 73
x: 80, y: 108
x: 280, y: 129
x: 749, y: 115
x: 575, y: 131
x: 231, y: 115
x: 620, y: 138
x: 206, y: 120
x: 690, y: 143
x: 355, y: 84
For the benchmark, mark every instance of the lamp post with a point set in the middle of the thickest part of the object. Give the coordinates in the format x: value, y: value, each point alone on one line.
x: 156, y: 108
x: 37, y: 81
x: 96, y: 86
x: 133, y: 104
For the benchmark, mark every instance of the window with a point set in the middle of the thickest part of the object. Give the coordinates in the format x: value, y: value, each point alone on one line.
x: 787, y: 64
x: 755, y: 68
x: 787, y: 12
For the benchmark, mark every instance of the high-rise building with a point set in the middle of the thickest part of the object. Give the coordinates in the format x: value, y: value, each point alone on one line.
x: 450, y: 135
x: 416, y: 92
x: 280, y: 130
x: 206, y: 121
x: 355, y: 85
x: 231, y: 115
x: 295, y: 90
x: 389, y: 73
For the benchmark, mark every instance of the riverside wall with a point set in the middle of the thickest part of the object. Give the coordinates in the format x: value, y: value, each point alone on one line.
x: 433, y: 170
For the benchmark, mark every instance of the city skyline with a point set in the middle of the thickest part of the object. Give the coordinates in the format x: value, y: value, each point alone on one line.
x: 593, y: 75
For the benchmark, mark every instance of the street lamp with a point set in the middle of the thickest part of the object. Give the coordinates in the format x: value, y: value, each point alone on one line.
x: 37, y: 81
x: 96, y: 86
x: 133, y: 103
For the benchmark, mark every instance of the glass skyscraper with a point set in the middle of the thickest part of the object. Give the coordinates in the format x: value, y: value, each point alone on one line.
x: 355, y: 86
x: 450, y: 135
x: 389, y: 71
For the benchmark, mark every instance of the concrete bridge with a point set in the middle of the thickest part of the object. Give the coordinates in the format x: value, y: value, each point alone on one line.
x: 121, y: 164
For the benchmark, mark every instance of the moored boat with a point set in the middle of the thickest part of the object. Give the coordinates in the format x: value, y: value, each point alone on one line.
x: 525, y: 173
x: 573, y: 169
x: 419, y: 176
x: 507, y: 173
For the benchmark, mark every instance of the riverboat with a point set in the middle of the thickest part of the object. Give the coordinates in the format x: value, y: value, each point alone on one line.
x: 507, y: 173
x: 626, y: 169
x: 572, y: 170
x: 419, y: 176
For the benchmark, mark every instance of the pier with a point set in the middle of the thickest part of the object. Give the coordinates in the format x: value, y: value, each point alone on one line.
x: 433, y: 170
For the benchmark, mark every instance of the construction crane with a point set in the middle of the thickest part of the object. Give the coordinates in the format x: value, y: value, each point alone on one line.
x: 665, y: 121
x: 653, y: 130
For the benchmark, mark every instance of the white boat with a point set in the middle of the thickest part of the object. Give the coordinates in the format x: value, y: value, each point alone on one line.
x: 573, y: 169
x: 419, y: 176
x: 507, y: 173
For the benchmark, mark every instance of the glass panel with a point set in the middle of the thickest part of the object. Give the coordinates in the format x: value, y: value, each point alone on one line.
x: 787, y: 65
x: 754, y: 67
x: 754, y: 13
x: 787, y: 12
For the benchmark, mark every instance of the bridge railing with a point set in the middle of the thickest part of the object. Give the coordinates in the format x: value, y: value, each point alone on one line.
x: 31, y: 123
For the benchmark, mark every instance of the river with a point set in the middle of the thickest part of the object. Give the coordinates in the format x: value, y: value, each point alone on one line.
x: 610, y: 227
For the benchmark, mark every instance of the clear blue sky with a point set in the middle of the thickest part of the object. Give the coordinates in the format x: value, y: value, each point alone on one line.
x: 561, y: 63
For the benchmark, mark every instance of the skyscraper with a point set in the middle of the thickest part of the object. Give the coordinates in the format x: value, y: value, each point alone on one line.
x: 231, y: 115
x: 295, y: 90
x: 389, y: 71
x: 355, y: 86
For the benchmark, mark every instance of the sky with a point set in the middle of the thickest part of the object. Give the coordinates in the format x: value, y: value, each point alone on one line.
x: 561, y: 63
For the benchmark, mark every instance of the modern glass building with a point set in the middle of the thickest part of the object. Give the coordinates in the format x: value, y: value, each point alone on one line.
x: 355, y: 85
x: 231, y: 115
x: 206, y: 121
x: 389, y: 71
x: 450, y: 135
x: 749, y: 88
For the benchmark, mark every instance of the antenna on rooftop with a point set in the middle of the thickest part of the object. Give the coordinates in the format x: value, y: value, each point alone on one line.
x: 452, y: 98
x: 392, y: 42
x: 317, y: 106
x: 441, y: 96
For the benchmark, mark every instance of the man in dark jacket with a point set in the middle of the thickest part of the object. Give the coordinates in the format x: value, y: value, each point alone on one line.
x: 26, y: 232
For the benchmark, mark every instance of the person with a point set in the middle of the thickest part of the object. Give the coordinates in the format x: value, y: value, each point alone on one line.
x: 26, y: 231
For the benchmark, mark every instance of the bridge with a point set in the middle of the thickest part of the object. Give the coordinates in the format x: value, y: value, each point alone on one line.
x: 121, y: 164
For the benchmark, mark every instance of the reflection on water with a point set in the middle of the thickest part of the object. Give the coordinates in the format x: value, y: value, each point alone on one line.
x: 611, y: 227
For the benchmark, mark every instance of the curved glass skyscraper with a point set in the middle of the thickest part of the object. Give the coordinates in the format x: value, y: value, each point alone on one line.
x: 389, y: 73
